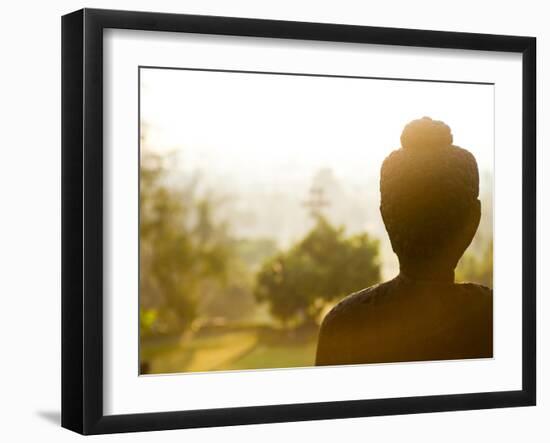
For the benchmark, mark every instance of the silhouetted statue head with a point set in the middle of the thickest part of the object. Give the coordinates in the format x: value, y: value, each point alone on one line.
x: 429, y: 198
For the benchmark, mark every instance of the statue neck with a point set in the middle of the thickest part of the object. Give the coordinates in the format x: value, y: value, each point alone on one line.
x: 427, y: 272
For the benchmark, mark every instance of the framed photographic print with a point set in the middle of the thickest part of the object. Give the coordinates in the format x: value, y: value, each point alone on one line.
x: 269, y: 221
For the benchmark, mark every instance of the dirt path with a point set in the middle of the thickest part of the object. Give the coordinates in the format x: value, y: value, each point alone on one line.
x: 229, y: 347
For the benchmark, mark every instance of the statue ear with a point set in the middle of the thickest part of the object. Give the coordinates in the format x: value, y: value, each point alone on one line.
x: 476, y: 215
x: 473, y: 222
x: 387, y: 230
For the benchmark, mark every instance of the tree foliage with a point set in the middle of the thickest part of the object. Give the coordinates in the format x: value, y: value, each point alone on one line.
x: 180, y: 248
x: 322, y: 268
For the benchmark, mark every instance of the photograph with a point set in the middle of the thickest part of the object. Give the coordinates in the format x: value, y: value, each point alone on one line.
x: 294, y: 220
x: 284, y: 220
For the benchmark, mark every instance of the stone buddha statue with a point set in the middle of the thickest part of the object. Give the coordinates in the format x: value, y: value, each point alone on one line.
x: 429, y: 203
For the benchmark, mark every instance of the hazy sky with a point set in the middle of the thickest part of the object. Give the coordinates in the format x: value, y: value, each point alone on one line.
x: 264, y: 129
x: 263, y: 139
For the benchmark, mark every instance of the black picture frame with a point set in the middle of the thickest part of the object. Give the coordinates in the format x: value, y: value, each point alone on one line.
x: 82, y: 221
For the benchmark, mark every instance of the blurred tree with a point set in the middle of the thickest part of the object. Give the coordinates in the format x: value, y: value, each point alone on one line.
x: 322, y: 268
x: 180, y: 248
x: 253, y: 251
x: 232, y: 298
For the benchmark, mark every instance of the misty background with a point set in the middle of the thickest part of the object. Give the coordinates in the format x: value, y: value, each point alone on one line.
x: 270, y: 161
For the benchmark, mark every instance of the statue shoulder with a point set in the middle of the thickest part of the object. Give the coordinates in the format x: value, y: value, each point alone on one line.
x: 478, y: 297
x: 355, y: 303
x: 340, y: 324
x: 477, y: 290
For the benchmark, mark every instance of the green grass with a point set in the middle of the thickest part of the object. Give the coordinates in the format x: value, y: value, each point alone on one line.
x: 249, y: 348
x: 263, y: 356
